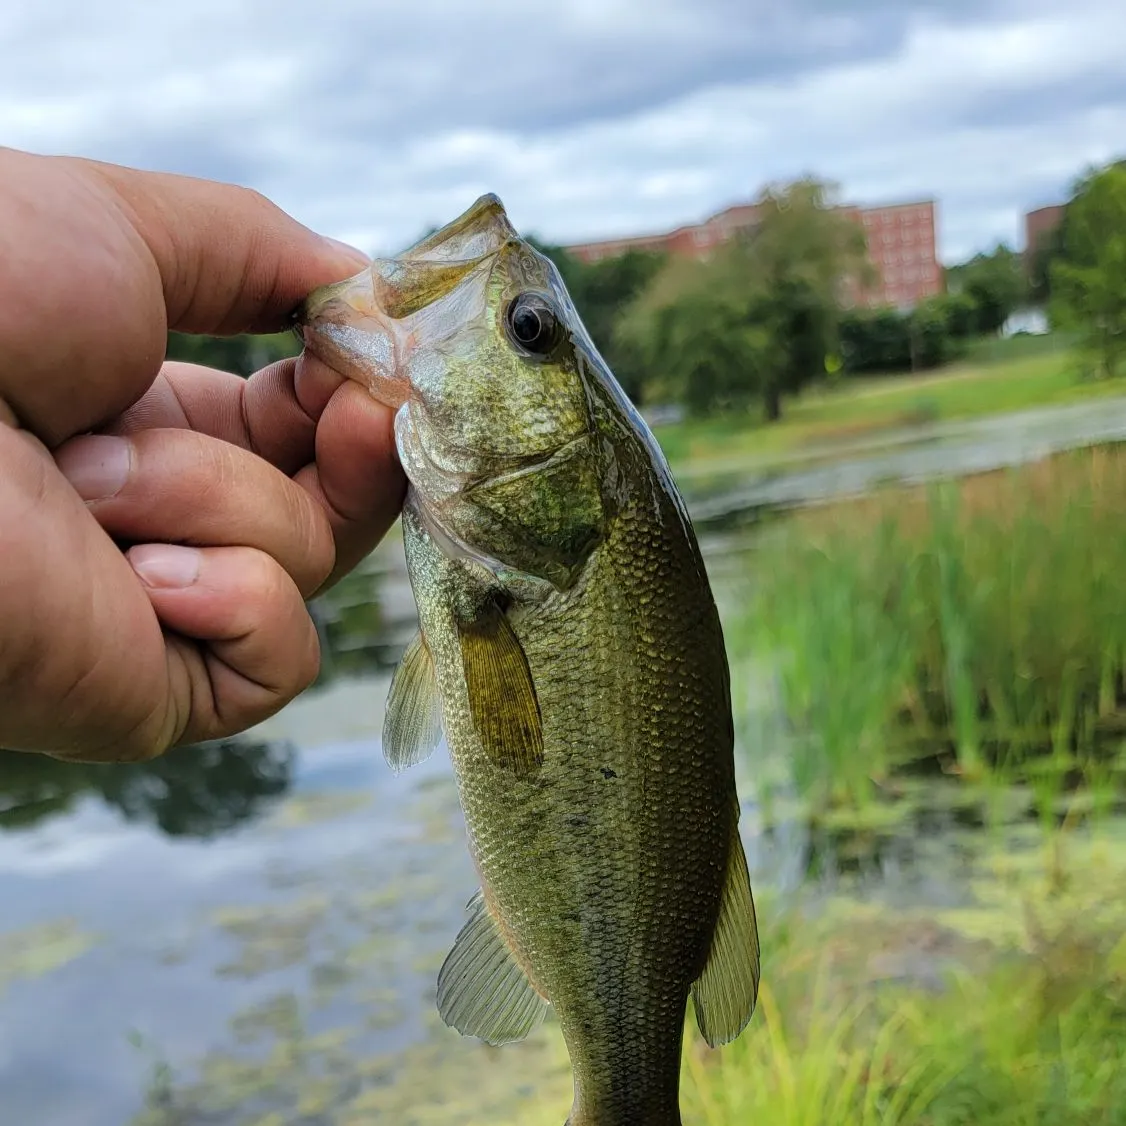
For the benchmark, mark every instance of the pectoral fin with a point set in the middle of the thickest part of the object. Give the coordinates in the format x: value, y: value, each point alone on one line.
x: 412, y: 726
x: 482, y: 992
x: 502, y: 697
x: 725, y: 994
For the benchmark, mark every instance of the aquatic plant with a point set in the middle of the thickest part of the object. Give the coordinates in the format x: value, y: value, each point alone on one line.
x: 977, y: 623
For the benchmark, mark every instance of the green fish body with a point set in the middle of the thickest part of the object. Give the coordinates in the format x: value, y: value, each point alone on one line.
x: 571, y: 651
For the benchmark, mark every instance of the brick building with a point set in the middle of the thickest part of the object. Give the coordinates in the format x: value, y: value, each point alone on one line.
x: 901, y: 245
x: 1039, y: 225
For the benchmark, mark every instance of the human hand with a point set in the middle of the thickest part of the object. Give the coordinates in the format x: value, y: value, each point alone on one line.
x: 155, y: 572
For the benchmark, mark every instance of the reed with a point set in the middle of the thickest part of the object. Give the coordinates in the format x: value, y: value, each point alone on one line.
x: 978, y: 623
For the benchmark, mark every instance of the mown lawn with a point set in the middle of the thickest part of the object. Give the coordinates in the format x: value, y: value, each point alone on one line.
x: 862, y: 408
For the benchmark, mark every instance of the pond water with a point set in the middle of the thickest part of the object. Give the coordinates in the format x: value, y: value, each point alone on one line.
x: 250, y: 932
x: 910, y: 455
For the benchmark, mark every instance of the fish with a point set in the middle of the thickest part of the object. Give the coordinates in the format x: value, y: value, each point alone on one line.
x: 571, y: 653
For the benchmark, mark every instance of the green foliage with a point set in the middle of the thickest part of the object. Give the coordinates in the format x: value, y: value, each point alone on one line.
x: 878, y: 341
x: 1089, y: 281
x: 1007, y: 1012
x: 875, y: 340
x: 977, y: 620
x: 1007, y: 374
x: 710, y: 357
x: 1024, y: 1036
x: 995, y: 284
x: 932, y: 342
x: 243, y: 355
x: 961, y: 314
x: 982, y: 293
x: 760, y: 317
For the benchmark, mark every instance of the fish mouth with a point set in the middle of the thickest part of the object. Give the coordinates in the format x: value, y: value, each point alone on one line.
x: 367, y: 326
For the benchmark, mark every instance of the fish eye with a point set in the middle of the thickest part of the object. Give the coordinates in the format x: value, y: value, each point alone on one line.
x: 533, y: 324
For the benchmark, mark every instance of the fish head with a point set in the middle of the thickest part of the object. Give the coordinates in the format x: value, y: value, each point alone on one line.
x: 472, y: 337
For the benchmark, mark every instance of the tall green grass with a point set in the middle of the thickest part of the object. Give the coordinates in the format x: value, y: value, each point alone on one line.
x: 999, y: 1049
x: 1008, y: 1012
x: 982, y: 621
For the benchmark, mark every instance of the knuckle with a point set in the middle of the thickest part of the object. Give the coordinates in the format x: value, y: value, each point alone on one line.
x: 268, y: 579
x: 307, y: 663
x: 314, y: 539
x: 253, y: 199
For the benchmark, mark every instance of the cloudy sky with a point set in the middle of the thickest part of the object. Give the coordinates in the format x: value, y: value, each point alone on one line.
x: 590, y: 118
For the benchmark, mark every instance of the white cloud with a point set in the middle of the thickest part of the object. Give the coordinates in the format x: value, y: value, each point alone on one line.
x: 590, y: 119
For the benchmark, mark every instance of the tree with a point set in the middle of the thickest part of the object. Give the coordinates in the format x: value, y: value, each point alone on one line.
x: 761, y: 315
x: 994, y: 282
x: 802, y: 253
x: 243, y: 354
x: 875, y: 340
x: 695, y: 339
x: 1089, y: 281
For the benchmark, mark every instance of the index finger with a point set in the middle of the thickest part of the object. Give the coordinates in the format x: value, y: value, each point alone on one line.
x: 98, y: 261
x: 229, y: 259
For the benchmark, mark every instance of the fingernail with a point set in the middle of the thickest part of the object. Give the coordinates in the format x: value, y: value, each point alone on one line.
x: 349, y: 251
x: 97, y: 465
x: 165, y: 566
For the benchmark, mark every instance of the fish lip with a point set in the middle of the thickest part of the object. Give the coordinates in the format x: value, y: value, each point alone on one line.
x: 346, y: 330
x: 447, y: 256
x: 361, y: 327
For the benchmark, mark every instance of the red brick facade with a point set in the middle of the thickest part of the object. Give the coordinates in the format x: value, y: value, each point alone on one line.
x: 901, y: 245
x: 1039, y: 224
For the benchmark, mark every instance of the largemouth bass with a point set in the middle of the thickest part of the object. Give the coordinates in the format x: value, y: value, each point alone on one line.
x: 571, y: 651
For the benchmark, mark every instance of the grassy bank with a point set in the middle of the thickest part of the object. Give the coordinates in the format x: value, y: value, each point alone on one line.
x: 1007, y: 1009
x: 1002, y: 380
x: 876, y: 1017
x: 980, y: 622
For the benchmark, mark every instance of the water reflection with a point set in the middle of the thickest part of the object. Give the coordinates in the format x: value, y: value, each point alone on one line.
x: 193, y: 791
x: 366, y: 620
x: 909, y: 456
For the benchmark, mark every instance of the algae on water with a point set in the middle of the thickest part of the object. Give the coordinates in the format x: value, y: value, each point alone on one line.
x: 35, y: 951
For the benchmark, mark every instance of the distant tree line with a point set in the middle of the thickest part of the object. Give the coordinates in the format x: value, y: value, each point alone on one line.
x: 243, y: 354
x: 768, y: 312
